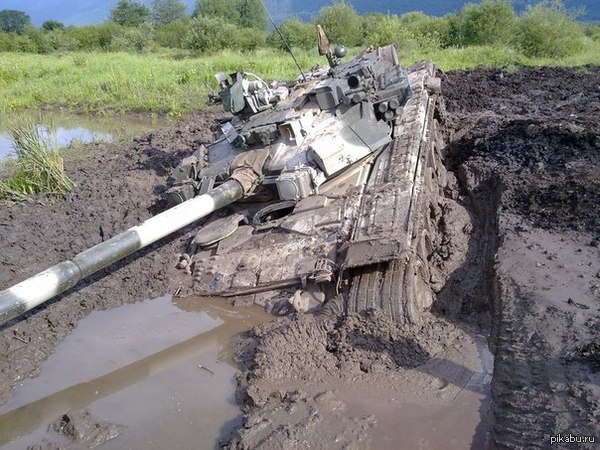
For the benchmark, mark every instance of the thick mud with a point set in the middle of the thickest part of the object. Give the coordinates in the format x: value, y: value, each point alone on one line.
x: 526, y: 149
x: 522, y: 152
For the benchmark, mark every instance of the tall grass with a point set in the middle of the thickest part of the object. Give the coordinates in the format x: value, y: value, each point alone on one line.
x: 174, y: 82
x: 170, y: 82
x: 38, y: 167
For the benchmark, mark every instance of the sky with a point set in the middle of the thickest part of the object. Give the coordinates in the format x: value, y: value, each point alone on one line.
x: 84, y: 12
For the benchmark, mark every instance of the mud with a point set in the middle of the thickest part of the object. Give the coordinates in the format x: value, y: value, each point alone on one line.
x: 523, y: 148
x: 526, y: 149
x: 360, y: 382
x: 117, y: 186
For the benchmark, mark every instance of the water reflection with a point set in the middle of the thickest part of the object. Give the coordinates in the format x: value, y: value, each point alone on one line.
x: 161, y: 372
x: 69, y: 127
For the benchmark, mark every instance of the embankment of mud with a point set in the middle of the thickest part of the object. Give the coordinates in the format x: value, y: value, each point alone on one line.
x: 525, y: 148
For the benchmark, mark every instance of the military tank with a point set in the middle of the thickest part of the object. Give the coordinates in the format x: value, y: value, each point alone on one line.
x: 314, y: 189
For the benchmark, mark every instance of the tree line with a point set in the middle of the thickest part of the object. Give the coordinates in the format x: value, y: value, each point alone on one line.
x: 546, y: 29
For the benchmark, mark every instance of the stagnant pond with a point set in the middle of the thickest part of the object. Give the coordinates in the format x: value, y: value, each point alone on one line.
x: 69, y: 127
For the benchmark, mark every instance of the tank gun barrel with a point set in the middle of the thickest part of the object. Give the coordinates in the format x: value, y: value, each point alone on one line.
x: 45, y: 285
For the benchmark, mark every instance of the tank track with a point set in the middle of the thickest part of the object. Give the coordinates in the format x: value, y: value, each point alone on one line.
x: 394, y: 229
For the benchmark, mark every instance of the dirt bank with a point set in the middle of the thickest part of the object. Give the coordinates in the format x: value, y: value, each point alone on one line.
x: 524, y: 148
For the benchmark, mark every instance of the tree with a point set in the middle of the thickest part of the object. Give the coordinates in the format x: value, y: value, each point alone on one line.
x: 51, y: 25
x: 296, y: 34
x: 245, y: 13
x: 251, y: 14
x: 129, y: 13
x: 167, y: 11
x: 12, y: 21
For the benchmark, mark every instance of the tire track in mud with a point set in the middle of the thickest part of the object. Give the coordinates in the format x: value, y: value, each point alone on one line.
x: 526, y: 152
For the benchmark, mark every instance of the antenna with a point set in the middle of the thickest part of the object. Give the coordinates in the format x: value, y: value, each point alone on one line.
x: 283, y: 39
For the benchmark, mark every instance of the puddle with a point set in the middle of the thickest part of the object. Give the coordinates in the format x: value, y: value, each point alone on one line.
x: 457, y: 421
x: 83, y: 128
x: 161, y: 371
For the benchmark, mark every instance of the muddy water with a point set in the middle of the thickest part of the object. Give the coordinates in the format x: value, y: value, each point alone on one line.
x: 70, y: 127
x: 454, y: 414
x: 161, y: 371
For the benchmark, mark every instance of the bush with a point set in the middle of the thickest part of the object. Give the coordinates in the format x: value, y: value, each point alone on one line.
x: 490, y: 22
x: 592, y: 30
x: 8, y: 42
x: 428, y: 32
x: 547, y: 30
x: 250, y: 39
x: 133, y: 39
x: 341, y: 24
x: 37, y: 41
x: 62, y: 40
x: 209, y: 34
x: 94, y: 37
x: 172, y: 35
x: 386, y: 30
x: 296, y: 33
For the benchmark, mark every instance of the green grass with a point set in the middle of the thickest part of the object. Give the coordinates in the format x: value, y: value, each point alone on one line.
x: 168, y: 82
x: 175, y: 82
x: 499, y: 57
x: 37, y: 169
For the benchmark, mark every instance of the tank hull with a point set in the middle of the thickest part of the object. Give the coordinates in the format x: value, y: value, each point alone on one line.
x: 363, y: 233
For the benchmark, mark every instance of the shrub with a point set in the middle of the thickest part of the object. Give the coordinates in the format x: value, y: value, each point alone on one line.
x: 341, y: 24
x: 38, y: 41
x: 547, y: 30
x: 133, y: 39
x: 62, y: 40
x: 8, y: 42
x: 94, y: 37
x: 386, y: 30
x: 209, y: 34
x: 592, y: 30
x: 296, y: 33
x: 249, y: 39
x: 427, y: 31
x: 172, y: 35
x: 490, y: 22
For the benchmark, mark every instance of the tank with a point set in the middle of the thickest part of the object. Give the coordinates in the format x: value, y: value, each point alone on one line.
x: 315, y: 189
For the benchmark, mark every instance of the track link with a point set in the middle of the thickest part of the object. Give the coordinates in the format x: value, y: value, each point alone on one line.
x: 387, y: 256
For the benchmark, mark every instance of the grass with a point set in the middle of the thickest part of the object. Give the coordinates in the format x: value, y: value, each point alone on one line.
x: 175, y: 82
x: 499, y: 57
x: 37, y: 169
x: 167, y: 83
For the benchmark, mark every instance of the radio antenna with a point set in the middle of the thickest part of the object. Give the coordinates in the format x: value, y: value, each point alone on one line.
x: 283, y: 39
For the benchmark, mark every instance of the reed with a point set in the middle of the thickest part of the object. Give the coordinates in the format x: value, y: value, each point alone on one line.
x: 38, y: 167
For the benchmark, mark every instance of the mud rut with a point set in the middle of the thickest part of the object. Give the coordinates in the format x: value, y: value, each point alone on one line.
x: 513, y: 254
